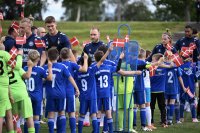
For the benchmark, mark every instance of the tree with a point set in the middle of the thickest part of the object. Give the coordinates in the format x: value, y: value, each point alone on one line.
x: 12, y: 11
x: 83, y: 10
x: 174, y: 9
x: 137, y: 11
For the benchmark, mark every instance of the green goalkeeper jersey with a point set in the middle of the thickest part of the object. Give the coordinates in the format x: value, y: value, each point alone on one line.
x: 4, y: 80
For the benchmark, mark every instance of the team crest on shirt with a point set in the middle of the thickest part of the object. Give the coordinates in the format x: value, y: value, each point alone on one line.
x: 30, y: 43
x: 159, y: 50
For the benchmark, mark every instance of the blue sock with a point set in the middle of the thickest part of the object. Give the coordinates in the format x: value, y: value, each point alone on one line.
x: 143, y: 116
x: 134, y: 116
x: 171, y: 111
x: 105, y: 124
x: 193, y: 110
x: 72, y: 123
x: 95, y: 125
x: 37, y: 126
x: 98, y: 124
x: 51, y: 125
x: 25, y: 127
x: 80, y: 124
x: 177, y: 112
x: 168, y: 110
x: 61, y: 124
x: 182, y: 110
x: 110, y: 124
x: 57, y: 124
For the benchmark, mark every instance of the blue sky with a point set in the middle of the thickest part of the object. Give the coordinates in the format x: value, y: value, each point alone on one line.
x: 55, y: 9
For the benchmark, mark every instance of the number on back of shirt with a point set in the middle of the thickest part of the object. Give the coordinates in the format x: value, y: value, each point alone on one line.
x: 103, y: 81
x: 53, y: 80
x: 30, y: 83
x: 1, y: 68
x: 170, y: 74
x: 84, y: 84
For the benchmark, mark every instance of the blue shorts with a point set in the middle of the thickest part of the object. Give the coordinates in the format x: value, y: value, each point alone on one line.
x: 104, y: 104
x: 55, y: 105
x: 86, y: 105
x: 148, y: 95
x: 36, y: 105
x: 70, y: 104
x: 170, y: 96
x: 139, y: 97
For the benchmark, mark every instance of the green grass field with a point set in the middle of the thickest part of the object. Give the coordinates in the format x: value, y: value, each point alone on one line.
x: 146, y: 33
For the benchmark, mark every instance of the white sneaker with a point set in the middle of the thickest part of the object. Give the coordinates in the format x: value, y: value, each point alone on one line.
x: 132, y: 131
x: 146, y: 129
x: 195, y: 120
x: 178, y: 122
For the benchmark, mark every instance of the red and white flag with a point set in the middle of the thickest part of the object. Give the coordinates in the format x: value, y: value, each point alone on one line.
x: 13, y: 52
x: 118, y: 42
x: 15, y: 118
x: 15, y: 26
x: 189, y: 93
x: 169, y: 47
x: 20, y: 2
x: 1, y: 16
x: 185, y: 52
x: 126, y: 38
x: 85, y: 42
x: 12, y: 63
x: 177, y: 60
x: 108, y: 38
x: 152, y: 70
x: 74, y: 41
x: 21, y: 40
x: 39, y: 43
x: 192, y: 46
x: 168, y: 54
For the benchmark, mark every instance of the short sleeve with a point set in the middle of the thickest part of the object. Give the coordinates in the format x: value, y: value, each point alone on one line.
x: 75, y: 66
x: 179, y: 73
x: 66, y: 72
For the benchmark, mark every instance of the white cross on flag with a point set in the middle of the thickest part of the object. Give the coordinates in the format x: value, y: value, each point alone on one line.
x: 1, y: 16
x: 169, y: 46
x: 177, y: 60
x: 12, y: 63
x: 74, y: 41
x: 20, y: 2
x: 152, y: 70
x: 118, y: 42
x: 39, y: 43
x: 21, y: 40
x: 13, y: 52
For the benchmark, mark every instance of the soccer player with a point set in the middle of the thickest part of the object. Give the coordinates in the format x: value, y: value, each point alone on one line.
x: 25, y: 30
x: 56, y: 91
x: 88, y: 95
x: 66, y: 55
x: 188, y: 70
x: 173, y: 77
x: 5, y: 109
x: 187, y: 40
x: 35, y: 85
x: 21, y: 104
x: 55, y: 38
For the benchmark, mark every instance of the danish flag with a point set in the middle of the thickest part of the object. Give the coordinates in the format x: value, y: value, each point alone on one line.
x: 15, y: 26
x: 15, y: 118
x: 20, y: 2
x: 1, y: 16
x: 169, y: 47
x: 74, y: 41
x: 177, y: 60
x: 39, y: 43
x: 189, y: 93
x: 13, y: 52
x: 152, y: 70
x: 12, y: 63
x: 118, y: 42
x: 21, y: 40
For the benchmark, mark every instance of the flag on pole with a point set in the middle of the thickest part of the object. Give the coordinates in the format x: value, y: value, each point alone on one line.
x: 21, y: 40
x: 13, y: 52
x: 127, y: 38
x: 189, y: 93
x: 86, y: 42
x: 1, y: 16
x: 118, y: 42
x: 74, y: 41
x: 20, y: 2
x: 12, y: 63
x: 169, y: 46
x: 39, y: 43
x: 15, y: 26
x: 152, y: 70
x: 177, y: 60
